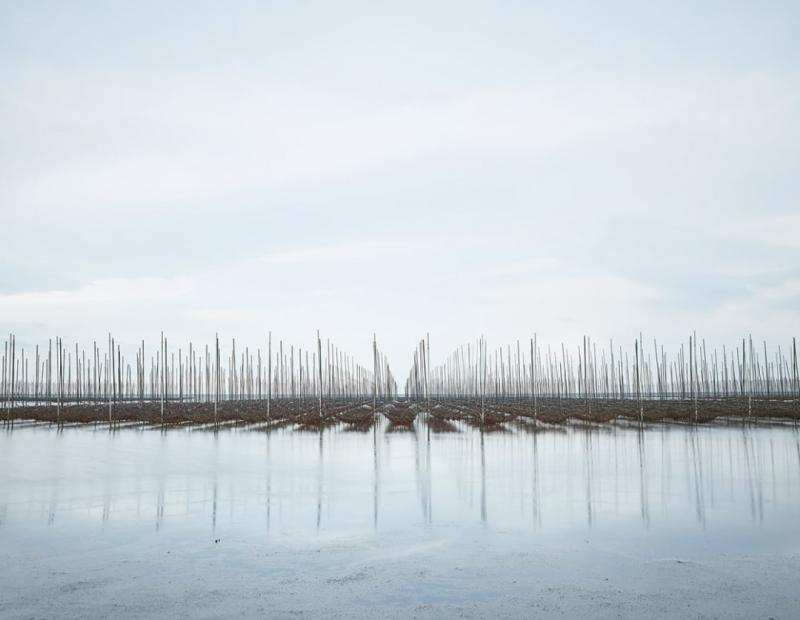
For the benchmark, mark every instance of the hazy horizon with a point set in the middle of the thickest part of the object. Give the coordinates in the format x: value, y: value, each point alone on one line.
x: 452, y: 169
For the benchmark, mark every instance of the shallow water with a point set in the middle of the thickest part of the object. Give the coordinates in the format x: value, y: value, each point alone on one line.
x: 672, y: 521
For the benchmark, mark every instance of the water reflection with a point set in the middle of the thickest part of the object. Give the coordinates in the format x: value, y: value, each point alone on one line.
x: 268, y: 474
x: 320, y: 472
x: 375, y: 484
x: 643, y: 493
x: 483, y: 480
x: 697, y: 471
x: 523, y: 479
x: 537, y: 519
x: 588, y: 475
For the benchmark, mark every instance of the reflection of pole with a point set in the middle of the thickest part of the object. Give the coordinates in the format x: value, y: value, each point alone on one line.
x: 535, y: 493
x: 214, y: 507
x: 375, y: 476
x: 319, y: 482
x: 588, y: 457
x: 269, y: 480
x: 428, y: 468
x: 483, y: 481
x: 697, y: 472
x: 753, y: 477
x: 160, y: 504
x: 643, y: 479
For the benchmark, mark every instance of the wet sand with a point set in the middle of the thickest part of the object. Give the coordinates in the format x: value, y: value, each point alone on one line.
x: 307, y: 413
x: 669, y: 521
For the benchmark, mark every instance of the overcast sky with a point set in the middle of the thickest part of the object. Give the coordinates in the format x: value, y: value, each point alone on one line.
x: 453, y: 168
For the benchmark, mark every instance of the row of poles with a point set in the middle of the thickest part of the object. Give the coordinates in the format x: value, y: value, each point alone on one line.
x: 68, y: 374
x: 529, y: 371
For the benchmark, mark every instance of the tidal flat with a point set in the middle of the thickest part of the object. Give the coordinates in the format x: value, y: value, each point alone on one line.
x: 668, y: 521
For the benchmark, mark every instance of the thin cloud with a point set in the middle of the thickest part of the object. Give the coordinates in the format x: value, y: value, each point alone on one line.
x: 356, y: 251
x: 182, y: 143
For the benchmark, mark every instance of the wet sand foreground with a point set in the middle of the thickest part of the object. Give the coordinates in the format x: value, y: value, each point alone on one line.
x: 434, y: 519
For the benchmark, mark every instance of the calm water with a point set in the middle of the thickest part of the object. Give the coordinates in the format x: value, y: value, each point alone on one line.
x: 669, y: 521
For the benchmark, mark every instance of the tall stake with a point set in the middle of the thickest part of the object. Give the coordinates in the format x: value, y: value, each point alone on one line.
x: 269, y: 373
x: 374, y: 375
x: 216, y: 377
x: 111, y: 361
x: 319, y: 361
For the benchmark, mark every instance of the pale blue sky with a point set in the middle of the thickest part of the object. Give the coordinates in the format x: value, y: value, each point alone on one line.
x: 457, y: 168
